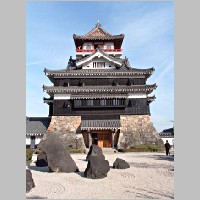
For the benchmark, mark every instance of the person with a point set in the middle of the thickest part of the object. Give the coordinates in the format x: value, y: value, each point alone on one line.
x: 167, y: 147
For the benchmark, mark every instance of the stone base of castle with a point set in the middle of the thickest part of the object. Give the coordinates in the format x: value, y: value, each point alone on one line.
x: 137, y: 130
x: 68, y: 128
x: 134, y: 130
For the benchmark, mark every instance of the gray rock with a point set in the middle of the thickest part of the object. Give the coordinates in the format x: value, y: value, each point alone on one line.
x: 59, y: 160
x: 120, y: 164
x: 42, y: 160
x: 97, y: 168
x: 95, y: 150
x: 29, y: 181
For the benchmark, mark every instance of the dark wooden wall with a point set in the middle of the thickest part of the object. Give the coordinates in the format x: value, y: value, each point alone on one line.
x: 98, y: 81
x: 130, y: 107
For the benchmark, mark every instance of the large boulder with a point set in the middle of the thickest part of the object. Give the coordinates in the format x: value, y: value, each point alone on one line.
x: 120, y: 164
x: 95, y: 150
x: 97, y: 168
x: 42, y: 160
x: 59, y: 160
x: 29, y: 181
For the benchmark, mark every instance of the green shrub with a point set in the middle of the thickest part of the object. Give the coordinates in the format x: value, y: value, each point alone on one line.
x: 75, y: 151
x: 29, y: 154
x: 143, y: 148
x: 37, y: 151
x: 70, y: 149
x: 122, y: 150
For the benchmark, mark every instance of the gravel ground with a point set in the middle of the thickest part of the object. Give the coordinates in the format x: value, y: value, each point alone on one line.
x: 151, y: 176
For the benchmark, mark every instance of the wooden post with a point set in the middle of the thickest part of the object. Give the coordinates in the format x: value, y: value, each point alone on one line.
x: 88, y: 131
x: 112, y: 138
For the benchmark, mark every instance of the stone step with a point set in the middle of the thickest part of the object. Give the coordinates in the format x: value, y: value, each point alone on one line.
x: 105, y: 150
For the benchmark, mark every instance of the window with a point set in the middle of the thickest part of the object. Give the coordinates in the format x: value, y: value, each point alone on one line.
x: 114, y: 102
x: 32, y: 145
x: 77, y: 102
x: 88, y: 47
x: 129, y: 103
x: 66, y: 84
x: 108, y: 47
x: 90, y: 102
x: 99, y: 64
x: 102, y: 102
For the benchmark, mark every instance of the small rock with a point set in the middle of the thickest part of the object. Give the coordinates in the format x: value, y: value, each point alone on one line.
x: 120, y: 164
x: 97, y: 168
x: 29, y: 181
x: 42, y: 160
x: 95, y: 150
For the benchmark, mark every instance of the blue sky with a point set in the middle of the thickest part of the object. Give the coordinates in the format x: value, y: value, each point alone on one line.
x: 148, y: 42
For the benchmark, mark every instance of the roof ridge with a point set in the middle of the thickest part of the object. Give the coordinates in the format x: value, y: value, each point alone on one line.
x: 98, y: 27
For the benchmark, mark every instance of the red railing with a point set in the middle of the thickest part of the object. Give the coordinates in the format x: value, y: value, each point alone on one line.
x: 112, y: 50
x: 85, y: 50
x: 93, y: 50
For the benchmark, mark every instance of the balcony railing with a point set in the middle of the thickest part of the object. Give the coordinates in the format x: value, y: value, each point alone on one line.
x: 112, y: 50
x: 93, y: 50
x: 85, y: 50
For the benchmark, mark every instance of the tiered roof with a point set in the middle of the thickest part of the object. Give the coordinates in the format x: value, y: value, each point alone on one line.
x: 99, y: 89
x: 122, y: 70
x: 98, y: 33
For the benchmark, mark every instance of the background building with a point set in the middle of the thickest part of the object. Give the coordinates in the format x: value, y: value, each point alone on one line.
x: 35, y: 129
x: 168, y: 134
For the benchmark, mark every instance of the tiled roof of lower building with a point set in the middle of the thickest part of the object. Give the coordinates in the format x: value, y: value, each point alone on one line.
x: 167, y: 132
x: 36, y: 125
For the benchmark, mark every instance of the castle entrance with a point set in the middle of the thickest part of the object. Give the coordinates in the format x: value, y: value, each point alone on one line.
x: 102, y: 138
x: 103, y: 133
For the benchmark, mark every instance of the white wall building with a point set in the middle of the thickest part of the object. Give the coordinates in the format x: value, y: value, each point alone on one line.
x: 35, y: 129
x: 168, y: 134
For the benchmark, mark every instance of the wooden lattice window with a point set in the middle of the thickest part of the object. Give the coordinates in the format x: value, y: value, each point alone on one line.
x: 108, y: 47
x: 88, y: 47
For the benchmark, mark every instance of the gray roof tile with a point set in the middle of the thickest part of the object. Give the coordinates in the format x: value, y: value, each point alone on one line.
x: 37, y: 124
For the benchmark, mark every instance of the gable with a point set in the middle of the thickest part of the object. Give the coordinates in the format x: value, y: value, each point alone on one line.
x: 98, y: 55
x: 97, y: 32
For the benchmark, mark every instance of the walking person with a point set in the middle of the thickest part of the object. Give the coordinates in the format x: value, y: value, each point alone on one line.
x: 167, y: 147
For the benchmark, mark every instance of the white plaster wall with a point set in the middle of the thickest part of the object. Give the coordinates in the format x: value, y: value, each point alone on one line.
x: 37, y: 139
x: 28, y: 141
x: 62, y: 96
x: 108, y: 43
x: 136, y: 96
x: 107, y: 64
x: 87, y: 43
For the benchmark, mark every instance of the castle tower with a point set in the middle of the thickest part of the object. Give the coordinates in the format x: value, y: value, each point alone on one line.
x: 99, y: 97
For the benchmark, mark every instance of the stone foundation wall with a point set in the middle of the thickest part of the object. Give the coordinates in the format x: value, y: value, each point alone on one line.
x: 68, y: 128
x: 136, y: 130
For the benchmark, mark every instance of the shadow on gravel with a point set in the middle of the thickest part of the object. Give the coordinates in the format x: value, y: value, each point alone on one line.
x: 164, y: 157
x: 36, y: 197
x: 151, y: 194
x: 81, y: 174
x: 40, y: 169
x: 155, y: 165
